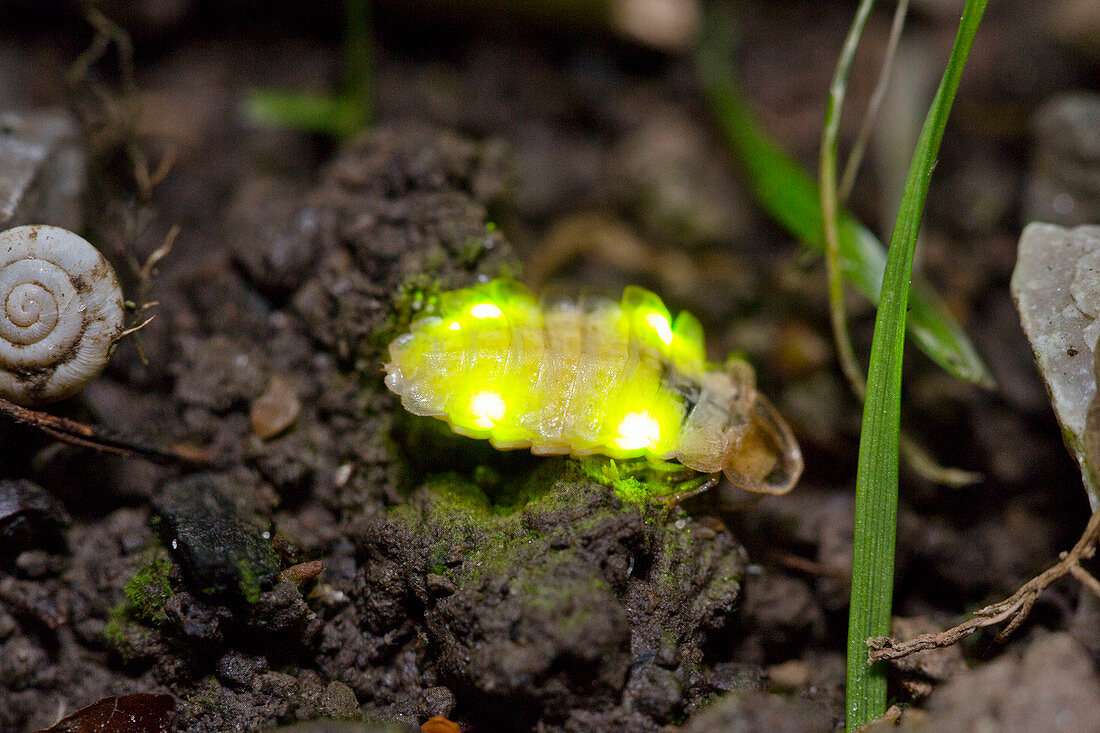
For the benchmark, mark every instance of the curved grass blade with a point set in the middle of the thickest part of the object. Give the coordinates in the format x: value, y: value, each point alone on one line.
x: 877, y: 473
x: 791, y: 196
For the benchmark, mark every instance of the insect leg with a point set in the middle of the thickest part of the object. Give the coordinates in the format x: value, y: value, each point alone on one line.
x: 705, y: 483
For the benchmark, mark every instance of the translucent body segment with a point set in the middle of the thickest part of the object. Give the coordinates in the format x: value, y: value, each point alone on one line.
x: 599, y: 372
x: 688, y: 350
x: 650, y: 321
x: 446, y: 360
x: 476, y: 400
x: 483, y: 397
x: 712, y: 425
x: 618, y: 378
x: 640, y: 417
x: 419, y: 367
x: 556, y: 381
x: 667, y: 409
x: 523, y: 352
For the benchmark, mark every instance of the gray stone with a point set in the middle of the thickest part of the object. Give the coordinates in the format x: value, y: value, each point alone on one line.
x: 221, y: 552
x: 42, y: 170
x: 1051, y: 687
x: 1056, y: 286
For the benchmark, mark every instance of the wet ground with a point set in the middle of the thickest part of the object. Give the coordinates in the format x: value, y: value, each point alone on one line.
x: 500, y: 590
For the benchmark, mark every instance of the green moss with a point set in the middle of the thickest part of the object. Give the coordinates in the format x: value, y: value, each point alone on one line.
x: 635, y: 481
x: 496, y: 533
x: 148, y: 590
x: 114, y: 633
x: 418, y: 295
x: 248, y: 584
x: 142, y: 608
x: 129, y: 637
x: 473, y: 250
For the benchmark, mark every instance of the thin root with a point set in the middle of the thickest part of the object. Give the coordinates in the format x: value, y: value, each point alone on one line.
x: 1013, y: 609
x: 135, y: 329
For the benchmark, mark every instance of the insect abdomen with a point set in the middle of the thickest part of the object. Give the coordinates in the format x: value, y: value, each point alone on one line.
x: 562, y: 378
x: 598, y: 376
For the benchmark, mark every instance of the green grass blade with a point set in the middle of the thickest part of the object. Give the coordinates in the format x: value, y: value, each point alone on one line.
x: 357, y: 85
x: 320, y: 113
x: 791, y: 196
x: 829, y: 197
x: 877, y: 475
x: 338, y: 115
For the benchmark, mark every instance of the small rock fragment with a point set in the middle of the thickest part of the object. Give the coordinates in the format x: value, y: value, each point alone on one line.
x: 30, y: 517
x: 338, y: 701
x: 1052, y: 687
x: 675, y: 180
x: 666, y: 25
x: 919, y: 672
x: 237, y: 668
x: 1076, y: 23
x: 219, y: 373
x: 789, y: 675
x: 273, y: 236
x: 276, y: 409
x: 751, y: 711
x: 438, y: 701
x: 42, y: 170
x: 219, y: 550
x: 1056, y: 286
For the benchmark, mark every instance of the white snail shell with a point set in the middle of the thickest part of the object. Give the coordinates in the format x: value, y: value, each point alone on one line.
x: 60, y: 313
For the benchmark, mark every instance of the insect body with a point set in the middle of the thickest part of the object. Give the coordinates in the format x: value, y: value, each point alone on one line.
x: 595, y: 376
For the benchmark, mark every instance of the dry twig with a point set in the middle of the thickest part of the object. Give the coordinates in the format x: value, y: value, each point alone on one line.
x: 86, y: 436
x: 1013, y: 609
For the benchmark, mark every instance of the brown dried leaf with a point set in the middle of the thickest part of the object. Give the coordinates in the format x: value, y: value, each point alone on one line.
x: 138, y: 713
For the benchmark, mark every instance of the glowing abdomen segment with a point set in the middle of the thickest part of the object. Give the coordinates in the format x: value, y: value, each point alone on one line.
x: 588, y: 377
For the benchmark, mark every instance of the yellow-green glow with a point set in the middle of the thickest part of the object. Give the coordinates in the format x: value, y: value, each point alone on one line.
x: 688, y: 351
x: 586, y: 377
x: 487, y: 407
x: 637, y: 431
x: 661, y: 325
x: 486, y: 310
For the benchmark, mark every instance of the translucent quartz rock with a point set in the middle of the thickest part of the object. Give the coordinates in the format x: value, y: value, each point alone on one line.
x: 1056, y: 286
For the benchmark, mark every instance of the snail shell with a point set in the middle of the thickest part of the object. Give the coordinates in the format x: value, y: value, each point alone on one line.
x: 61, y: 313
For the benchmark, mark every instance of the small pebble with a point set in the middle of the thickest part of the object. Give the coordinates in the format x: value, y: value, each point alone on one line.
x: 789, y: 675
x: 240, y: 669
x: 438, y: 701
x: 33, y: 563
x: 338, y: 701
x: 276, y: 409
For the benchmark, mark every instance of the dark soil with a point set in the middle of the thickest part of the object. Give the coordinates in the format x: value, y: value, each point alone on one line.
x: 500, y: 590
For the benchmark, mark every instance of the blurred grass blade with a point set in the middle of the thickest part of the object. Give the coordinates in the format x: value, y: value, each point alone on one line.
x: 357, y: 84
x: 791, y: 196
x: 338, y: 115
x: 324, y: 114
x: 877, y: 474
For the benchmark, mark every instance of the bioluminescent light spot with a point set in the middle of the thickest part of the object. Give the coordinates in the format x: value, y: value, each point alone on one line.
x: 622, y: 378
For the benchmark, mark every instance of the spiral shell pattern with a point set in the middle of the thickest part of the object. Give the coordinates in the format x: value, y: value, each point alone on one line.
x: 60, y: 313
